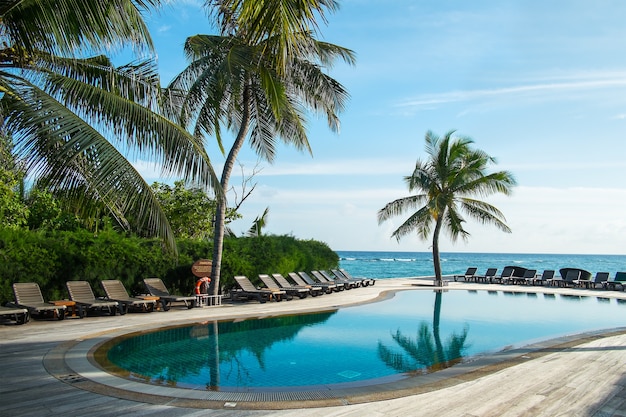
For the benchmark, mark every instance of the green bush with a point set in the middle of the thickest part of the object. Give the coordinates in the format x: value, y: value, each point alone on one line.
x: 54, y: 257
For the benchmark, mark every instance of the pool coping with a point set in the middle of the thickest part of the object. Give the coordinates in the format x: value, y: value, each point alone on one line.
x: 72, y: 362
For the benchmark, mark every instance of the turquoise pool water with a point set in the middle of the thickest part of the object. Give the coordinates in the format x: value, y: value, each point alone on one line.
x: 416, y: 331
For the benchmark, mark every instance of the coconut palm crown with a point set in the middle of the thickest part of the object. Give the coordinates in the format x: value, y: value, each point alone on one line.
x: 75, y: 117
x: 446, y: 185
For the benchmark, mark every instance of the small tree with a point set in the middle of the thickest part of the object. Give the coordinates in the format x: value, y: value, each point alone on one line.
x: 190, y: 211
x: 445, y: 184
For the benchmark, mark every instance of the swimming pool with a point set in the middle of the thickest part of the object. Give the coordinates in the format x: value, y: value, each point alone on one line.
x: 413, y: 332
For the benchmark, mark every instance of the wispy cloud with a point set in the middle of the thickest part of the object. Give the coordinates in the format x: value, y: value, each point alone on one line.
x: 544, y: 90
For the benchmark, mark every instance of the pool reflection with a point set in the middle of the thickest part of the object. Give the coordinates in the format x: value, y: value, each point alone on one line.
x: 426, y: 353
x: 413, y: 332
x: 211, y: 349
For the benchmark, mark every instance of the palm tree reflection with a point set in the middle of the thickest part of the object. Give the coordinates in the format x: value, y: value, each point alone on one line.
x: 425, y: 353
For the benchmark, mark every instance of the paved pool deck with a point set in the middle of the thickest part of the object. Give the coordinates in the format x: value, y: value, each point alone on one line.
x: 45, y: 369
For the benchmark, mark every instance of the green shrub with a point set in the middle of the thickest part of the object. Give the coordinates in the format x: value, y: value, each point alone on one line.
x: 54, y: 257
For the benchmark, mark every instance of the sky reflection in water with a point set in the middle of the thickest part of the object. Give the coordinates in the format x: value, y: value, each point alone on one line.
x: 356, y: 344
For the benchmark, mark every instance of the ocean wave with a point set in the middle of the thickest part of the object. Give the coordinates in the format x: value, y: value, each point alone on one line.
x: 405, y: 259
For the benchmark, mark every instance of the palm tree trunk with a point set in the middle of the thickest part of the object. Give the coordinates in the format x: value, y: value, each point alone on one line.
x: 220, y: 212
x: 436, y: 260
x: 440, y: 359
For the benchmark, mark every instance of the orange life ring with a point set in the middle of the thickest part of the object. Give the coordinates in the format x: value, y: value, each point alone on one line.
x: 200, y: 282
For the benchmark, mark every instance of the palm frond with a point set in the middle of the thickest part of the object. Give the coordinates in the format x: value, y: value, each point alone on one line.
x: 73, y: 27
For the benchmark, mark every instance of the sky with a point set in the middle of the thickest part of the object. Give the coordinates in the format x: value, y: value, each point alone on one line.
x: 540, y: 86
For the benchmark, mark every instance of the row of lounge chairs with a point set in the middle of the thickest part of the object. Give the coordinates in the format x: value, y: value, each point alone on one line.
x: 30, y: 301
x: 569, y: 277
x: 276, y: 287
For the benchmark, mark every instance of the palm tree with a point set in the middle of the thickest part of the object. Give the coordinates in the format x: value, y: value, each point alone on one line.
x: 290, y: 22
x: 236, y: 83
x: 74, y: 115
x: 445, y: 184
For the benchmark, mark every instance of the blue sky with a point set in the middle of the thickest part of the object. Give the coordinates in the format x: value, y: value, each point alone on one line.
x: 539, y: 85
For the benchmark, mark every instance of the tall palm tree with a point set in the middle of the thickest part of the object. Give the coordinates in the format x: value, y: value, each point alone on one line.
x: 236, y: 84
x: 288, y: 20
x: 74, y: 116
x: 445, y: 186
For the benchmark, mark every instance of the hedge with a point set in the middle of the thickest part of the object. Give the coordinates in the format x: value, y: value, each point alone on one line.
x: 52, y: 258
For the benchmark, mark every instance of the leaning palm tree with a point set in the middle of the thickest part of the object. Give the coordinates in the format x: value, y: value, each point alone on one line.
x: 75, y: 117
x: 445, y: 184
x: 237, y: 84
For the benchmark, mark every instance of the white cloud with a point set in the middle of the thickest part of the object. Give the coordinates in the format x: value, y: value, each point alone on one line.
x: 544, y: 91
x: 543, y: 220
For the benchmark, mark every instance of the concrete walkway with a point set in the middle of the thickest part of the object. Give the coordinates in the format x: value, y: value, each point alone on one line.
x: 585, y: 377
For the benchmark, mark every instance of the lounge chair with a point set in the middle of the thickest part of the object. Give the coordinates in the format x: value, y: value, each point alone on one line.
x: 115, y: 291
x: 28, y: 296
x: 271, y: 284
x: 545, y: 279
x: 284, y: 284
x: 619, y: 279
x: 340, y: 286
x: 365, y: 281
x: 18, y: 314
x: 505, y: 276
x: 351, y: 283
x: 529, y: 276
x: 328, y: 286
x: 157, y: 288
x: 315, y: 289
x: 600, y: 278
x: 81, y: 293
x: 571, y: 278
x: 248, y: 290
x: 469, y: 274
x: 488, y: 277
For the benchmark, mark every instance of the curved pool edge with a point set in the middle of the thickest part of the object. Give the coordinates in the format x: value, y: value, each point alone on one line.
x: 70, y: 362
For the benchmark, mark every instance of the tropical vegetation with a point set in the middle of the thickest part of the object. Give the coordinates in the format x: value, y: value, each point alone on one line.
x: 76, y: 118
x: 50, y: 258
x: 445, y: 185
x: 258, y: 78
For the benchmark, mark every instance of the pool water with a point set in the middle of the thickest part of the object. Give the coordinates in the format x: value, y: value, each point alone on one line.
x: 416, y: 331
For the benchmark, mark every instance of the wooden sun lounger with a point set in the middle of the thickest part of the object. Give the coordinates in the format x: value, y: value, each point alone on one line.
x: 352, y: 283
x: 17, y: 314
x: 157, y: 288
x: 315, y: 289
x: 272, y: 284
x: 248, y: 290
x: 284, y: 284
x: 81, y: 293
x: 365, y: 281
x: 116, y: 291
x: 322, y: 278
x: 28, y: 295
x: 329, y: 287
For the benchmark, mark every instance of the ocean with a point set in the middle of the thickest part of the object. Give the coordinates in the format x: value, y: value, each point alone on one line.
x: 414, y: 264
